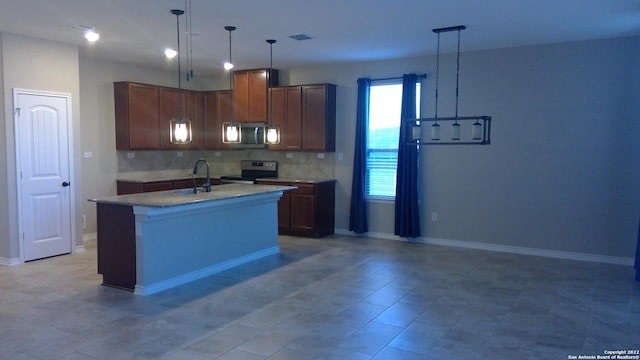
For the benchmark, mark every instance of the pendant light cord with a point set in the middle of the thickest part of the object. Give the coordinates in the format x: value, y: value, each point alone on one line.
x: 457, y: 73
x: 178, y: 13
x: 190, y: 42
x: 230, y: 29
x: 271, y: 42
x: 437, y: 75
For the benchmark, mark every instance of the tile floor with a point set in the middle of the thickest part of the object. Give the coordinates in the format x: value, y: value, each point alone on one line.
x: 333, y: 298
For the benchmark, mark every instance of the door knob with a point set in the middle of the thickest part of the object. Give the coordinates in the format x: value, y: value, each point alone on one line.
x: 65, y: 184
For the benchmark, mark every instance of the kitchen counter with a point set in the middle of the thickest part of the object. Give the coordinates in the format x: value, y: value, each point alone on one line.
x: 155, y: 176
x: 150, y: 242
x: 186, y: 196
x: 300, y: 180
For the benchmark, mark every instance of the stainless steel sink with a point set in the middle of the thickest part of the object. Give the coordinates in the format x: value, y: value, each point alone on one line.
x: 186, y: 192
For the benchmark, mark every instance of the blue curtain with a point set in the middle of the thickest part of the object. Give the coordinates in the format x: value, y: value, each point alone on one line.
x: 407, y: 214
x: 637, y: 264
x: 358, y: 213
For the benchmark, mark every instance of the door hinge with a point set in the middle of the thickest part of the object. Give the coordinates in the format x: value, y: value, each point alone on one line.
x: 17, y: 111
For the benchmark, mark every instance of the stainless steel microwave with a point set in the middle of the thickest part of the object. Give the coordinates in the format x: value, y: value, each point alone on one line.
x: 251, y: 136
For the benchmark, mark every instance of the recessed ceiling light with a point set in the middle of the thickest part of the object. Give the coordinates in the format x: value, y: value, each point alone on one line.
x: 300, y: 37
x: 170, y: 53
x: 91, y: 36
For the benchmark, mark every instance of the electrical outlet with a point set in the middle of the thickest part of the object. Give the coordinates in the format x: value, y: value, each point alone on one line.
x: 434, y: 216
x: 321, y: 156
x: 218, y: 154
x: 179, y: 154
x: 130, y: 155
x: 88, y: 155
x: 289, y: 156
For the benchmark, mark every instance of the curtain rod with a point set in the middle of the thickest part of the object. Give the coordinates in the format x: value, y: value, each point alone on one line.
x: 420, y: 77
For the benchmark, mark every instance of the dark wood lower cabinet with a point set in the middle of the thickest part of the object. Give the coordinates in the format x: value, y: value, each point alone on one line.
x: 117, y: 246
x: 134, y: 187
x: 308, y: 210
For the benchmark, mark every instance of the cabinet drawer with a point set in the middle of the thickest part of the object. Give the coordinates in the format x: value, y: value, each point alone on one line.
x: 305, y: 189
x: 158, y: 186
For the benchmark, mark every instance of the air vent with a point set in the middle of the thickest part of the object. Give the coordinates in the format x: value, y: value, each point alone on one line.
x: 300, y: 37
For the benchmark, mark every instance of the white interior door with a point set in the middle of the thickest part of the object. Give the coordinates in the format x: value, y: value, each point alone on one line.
x: 42, y: 144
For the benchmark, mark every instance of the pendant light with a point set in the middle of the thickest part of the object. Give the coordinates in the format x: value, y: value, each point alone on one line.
x: 231, y: 131
x: 435, y: 128
x: 271, y: 132
x: 179, y: 128
x: 480, y: 133
x: 189, y: 40
x: 455, y: 128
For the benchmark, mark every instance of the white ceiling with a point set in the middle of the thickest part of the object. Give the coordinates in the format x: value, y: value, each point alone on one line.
x: 137, y: 31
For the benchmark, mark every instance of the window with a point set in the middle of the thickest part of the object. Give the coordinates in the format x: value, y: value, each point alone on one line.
x: 383, y: 130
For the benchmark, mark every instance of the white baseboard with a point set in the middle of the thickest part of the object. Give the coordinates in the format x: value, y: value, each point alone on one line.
x: 76, y: 249
x: 199, y: 274
x: 10, y: 262
x: 89, y: 237
x: 501, y: 248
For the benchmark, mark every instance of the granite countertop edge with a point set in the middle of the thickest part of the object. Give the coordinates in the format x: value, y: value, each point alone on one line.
x: 183, y: 197
x: 175, y: 176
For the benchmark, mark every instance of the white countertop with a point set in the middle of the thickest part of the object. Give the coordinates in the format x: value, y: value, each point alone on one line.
x: 185, y: 196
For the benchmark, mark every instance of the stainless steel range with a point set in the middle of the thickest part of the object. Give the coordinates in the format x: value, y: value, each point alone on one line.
x: 252, y: 170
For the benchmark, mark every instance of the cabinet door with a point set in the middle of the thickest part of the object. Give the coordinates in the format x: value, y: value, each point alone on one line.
x: 278, y: 114
x: 169, y: 109
x: 193, y: 111
x: 284, y: 212
x: 136, y: 116
x: 212, y: 123
x: 292, y: 134
x: 250, y: 94
x: 287, y: 113
x: 258, y: 96
x: 318, y: 117
x: 216, y: 110
x: 240, y: 96
x: 302, y: 212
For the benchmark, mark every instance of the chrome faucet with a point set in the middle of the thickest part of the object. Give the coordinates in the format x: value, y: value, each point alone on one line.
x: 207, y: 185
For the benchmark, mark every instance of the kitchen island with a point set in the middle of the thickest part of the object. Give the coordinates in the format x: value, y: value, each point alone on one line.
x: 150, y: 242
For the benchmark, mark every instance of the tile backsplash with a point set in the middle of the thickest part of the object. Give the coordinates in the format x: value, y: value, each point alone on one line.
x: 227, y: 162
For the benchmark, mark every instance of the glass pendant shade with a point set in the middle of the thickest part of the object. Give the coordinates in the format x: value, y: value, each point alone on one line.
x: 455, y: 131
x: 476, y: 131
x: 231, y: 132
x: 272, y: 134
x: 435, y: 132
x: 180, y: 131
x: 415, y: 132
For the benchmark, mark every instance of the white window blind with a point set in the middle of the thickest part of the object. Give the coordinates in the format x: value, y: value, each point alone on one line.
x: 383, y: 130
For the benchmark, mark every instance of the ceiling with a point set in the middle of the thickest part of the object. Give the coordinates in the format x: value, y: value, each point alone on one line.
x: 137, y: 31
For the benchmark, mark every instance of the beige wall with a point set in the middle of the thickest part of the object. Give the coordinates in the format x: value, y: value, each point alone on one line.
x: 561, y: 172
x: 34, y: 64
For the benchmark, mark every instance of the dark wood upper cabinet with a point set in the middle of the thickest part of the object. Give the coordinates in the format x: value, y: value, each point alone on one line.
x: 216, y: 110
x: 136, y: 116
x: 191, y: 109
x: 319, y: 117
x: 306, y: 114
x: 250, y: 94
x: 287, y: 113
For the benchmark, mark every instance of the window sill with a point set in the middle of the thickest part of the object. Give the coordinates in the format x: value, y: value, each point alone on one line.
x: 380, y: 200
